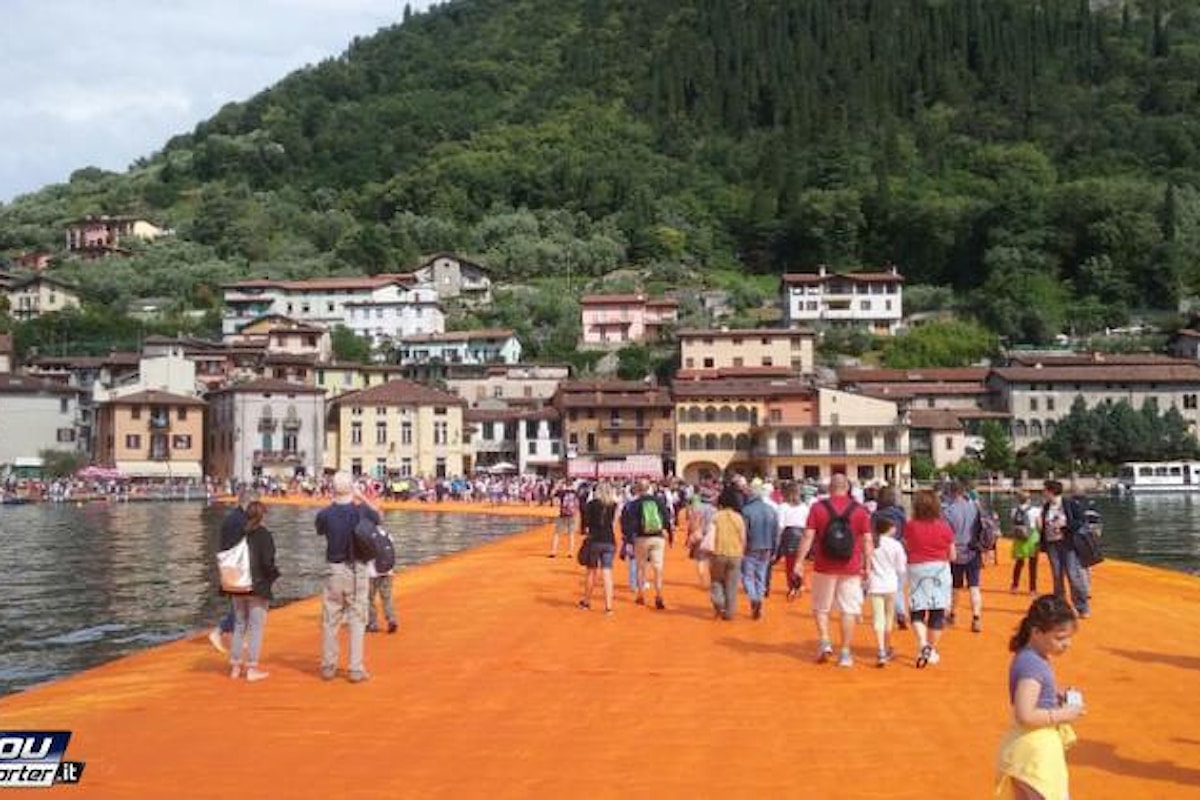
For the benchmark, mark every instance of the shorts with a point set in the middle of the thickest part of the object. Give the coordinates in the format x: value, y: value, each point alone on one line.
x: 564, y: 524
x: 600, y: 555
x: 966, y: 575
x: 650, y: 548
x: 845, y: 592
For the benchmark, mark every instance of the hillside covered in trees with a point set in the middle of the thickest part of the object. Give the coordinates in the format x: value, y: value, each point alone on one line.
x: 1042, y: 158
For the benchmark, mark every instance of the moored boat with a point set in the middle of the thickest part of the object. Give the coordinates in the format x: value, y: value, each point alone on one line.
x: 1143, y: 477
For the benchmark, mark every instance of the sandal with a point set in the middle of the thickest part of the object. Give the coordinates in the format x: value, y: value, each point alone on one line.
x: 584, y: 605
x: 923, y: 659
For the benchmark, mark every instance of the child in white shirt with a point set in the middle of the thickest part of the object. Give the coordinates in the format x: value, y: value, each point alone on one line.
x: 888, y: 564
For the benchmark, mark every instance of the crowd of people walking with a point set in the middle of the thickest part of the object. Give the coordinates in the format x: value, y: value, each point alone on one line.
x: 863, y: 547
x: 851, y: 548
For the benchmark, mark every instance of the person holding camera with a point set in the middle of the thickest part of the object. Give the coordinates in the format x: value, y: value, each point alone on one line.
x: 344, y: 598
x: 1032, y: 763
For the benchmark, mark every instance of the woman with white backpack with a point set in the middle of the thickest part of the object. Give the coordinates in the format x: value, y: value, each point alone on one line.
x: 250, y: 603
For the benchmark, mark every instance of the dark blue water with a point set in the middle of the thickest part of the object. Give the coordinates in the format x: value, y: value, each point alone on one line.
x: 86, y: 584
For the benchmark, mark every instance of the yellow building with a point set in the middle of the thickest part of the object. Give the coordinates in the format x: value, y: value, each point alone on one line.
x: 787, y: 430
x: 864, y: 438
x: 716, y: 421
x: 399, y: 428
x: 340, y: 377
x: 151, y: 434
x: 730, y: 352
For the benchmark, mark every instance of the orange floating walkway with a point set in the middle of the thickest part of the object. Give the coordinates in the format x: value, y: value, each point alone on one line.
x: 498, y: 687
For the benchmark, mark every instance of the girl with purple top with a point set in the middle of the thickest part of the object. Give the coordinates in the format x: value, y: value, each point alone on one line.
x: 1032, y: 763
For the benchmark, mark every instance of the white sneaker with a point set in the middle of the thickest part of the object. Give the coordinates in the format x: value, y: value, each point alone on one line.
x: 934, y: 656
x: 845, y: 659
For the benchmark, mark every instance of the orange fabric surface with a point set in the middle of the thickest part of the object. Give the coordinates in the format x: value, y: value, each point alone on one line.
x: 498, y: 687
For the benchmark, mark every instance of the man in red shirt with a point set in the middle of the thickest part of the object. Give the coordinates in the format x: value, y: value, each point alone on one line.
x: 838, y: 577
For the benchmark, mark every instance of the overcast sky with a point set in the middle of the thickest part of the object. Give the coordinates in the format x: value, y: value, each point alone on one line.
x: 102, y: 82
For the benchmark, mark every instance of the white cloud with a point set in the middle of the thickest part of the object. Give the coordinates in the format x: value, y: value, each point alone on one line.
x: 101, y: 84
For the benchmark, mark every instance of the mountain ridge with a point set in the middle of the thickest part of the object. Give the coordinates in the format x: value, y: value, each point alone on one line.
x: 1033, y: 154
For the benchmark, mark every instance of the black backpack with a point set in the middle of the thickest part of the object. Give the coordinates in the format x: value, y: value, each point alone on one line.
x: 1082, y: 535
x: 837, y: 542
x: 362, y: 543
x: 385, y: 553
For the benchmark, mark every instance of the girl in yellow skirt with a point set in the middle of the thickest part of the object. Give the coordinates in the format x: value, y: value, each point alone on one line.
x: 1033, y: 762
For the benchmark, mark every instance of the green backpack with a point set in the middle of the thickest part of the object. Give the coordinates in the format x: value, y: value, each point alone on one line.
x: 651, y: 518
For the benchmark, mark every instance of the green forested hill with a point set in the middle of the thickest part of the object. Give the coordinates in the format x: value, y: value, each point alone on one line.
x: 1038, y: 154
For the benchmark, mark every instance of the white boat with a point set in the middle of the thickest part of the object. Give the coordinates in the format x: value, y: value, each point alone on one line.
x: 1143, y: 477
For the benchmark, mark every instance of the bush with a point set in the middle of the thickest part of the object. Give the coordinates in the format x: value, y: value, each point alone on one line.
x: 923, y: 468
x: 956, y: 343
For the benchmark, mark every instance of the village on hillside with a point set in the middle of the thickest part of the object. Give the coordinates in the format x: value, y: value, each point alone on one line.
x: 269, y: 399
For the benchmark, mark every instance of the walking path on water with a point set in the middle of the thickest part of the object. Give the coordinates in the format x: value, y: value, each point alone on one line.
x: 498, y: 686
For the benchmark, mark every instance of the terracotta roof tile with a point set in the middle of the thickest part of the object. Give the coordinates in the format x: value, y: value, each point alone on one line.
x: 401, y: 392
x: 863, y: 277
x: 1087, y: 359
x: 269, y: 385
x: 936, y: 419
x: 1180, y: 372
x: 935, y: 375
x: 604, y: 386
x: 459, y: 336
x: 510, y: 414
x: 300, y: 359
x: 733, y: 372
x: 25, y: 384
x: 155, y: 397
x: 894, y: 391
x: 743, y: 387
x: 727, y: 333
x: 345, y: 282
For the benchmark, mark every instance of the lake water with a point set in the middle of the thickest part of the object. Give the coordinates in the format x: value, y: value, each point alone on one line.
x: 86, y: 584
x: 1159, y: 530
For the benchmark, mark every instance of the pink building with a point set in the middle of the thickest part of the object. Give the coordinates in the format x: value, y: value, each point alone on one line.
x: 614, y: 320
x: 37, y: 260
x: 96, y: 236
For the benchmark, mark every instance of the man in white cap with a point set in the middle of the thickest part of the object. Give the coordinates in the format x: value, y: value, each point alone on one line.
x: 344, y: 598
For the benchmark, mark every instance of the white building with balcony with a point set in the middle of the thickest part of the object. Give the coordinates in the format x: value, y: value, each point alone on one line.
x: 265, y: 428
x: 528, y: 438
x: 490, y: 346
x: 873, y: 300
x: 377, y: 307
x: 414, y: 311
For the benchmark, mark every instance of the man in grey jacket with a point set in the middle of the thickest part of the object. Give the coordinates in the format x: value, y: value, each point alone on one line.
x: 762, y: 538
